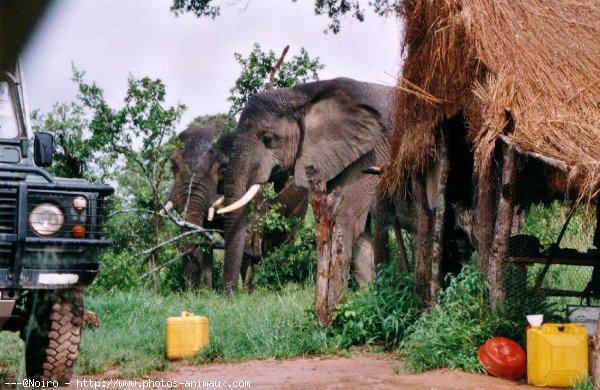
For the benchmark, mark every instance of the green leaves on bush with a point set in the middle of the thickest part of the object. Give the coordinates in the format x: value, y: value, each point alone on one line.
x: 381, y: 313
x: 295, y: 262
x: 451, y: 333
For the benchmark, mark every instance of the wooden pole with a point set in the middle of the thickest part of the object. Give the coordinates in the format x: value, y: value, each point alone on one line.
x: 597, y: 231
x: 439, y: 220
x: 424, y: 239
x: 332, y: 275
x: 401, y: 249
x: 595, y: 339
x: 485, y: 215
x: 503, y: 226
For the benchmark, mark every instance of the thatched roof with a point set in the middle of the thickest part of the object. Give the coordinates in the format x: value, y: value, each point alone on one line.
x: 528, y: 69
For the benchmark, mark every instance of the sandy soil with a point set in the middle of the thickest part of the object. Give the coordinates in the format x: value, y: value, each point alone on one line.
x: 360, y: 372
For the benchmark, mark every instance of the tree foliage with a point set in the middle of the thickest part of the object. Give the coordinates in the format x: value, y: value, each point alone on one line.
x: 257, y: 68
x: 335, y: 10
x: 144, y: 120
x: 75, y: 154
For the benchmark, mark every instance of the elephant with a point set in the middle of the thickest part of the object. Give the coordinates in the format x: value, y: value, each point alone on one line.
x: 339, y: 126
x: 198, y: 166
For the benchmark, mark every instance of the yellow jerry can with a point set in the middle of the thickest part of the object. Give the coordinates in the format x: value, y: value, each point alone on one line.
x: 186, y: 335
x: 557, y: 354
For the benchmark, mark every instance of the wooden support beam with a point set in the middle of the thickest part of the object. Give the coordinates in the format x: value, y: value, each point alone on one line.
x: 594, y: 344
x: 597, y: 231
x: 331, y: 274
x: 401, y: 249
x: 486, y: 208
x: 503, y: 226
x: 560, y: 165
x: 439, y: 219
x: 424, y: 240
x: 595, y: 340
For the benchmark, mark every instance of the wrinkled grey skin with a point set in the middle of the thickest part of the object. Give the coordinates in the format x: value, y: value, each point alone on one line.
x: 340, y: 126
x: 197, y: 169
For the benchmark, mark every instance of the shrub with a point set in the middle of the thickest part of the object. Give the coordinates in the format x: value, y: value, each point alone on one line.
x: 294, y: 262
x: 451, y: 333
x: 381, y: 313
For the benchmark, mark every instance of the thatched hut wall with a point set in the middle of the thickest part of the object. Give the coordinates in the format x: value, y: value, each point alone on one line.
x: 535, y: 64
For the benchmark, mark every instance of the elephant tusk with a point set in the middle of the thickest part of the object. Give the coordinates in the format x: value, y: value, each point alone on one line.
x: 218, y: 202
x: 242, y: 201
x: 167, y: 208
x: 211, y: 214
x: 211, y: 210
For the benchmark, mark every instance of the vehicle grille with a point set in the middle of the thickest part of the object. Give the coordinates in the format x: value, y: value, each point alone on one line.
x: 8, y: 218
x: 8, y: 210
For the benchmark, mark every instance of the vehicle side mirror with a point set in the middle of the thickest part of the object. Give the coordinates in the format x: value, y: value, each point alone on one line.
x: 43, y: 147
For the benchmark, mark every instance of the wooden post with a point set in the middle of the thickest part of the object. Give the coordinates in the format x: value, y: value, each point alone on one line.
x: 597, y: 231
x: 440, y: 220
x: 424, y: 239
x: 485, y: 215
x: 595, y: 339
x: 401, y: 249
x: 503, y: 226
x: 332, y: 275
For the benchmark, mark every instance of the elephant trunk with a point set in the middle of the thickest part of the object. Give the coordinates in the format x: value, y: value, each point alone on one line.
x: 235, y: 235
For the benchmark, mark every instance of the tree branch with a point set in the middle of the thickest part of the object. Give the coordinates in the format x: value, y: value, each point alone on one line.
x: 276, y: 67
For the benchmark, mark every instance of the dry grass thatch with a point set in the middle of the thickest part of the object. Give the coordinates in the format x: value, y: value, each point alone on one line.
x: 532, y: 63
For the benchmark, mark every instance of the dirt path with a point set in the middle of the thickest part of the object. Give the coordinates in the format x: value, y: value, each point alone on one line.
x: 361, y: 372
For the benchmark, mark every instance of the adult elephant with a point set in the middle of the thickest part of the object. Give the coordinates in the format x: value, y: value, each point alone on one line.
x: 339, y: 126
x: 198, y: 167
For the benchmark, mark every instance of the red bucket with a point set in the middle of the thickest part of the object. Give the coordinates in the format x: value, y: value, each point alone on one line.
x: 503, y: 358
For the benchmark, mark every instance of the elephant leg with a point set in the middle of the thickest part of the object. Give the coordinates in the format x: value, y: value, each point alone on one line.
x: 357, y: 191
x: 206, y: 278
x: 247, y: 271
x: 192, y: 265
x: 363, y: 260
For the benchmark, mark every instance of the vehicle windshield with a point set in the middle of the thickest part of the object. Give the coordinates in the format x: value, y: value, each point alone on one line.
x: 9, y: 129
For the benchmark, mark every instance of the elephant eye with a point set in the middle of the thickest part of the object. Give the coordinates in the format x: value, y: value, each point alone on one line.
x: 268, y: 139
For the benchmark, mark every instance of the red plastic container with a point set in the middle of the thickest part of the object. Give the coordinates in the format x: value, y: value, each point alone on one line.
x: 503, y: 358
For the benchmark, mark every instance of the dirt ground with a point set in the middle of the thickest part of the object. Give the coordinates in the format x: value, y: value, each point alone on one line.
x: 360, y: 372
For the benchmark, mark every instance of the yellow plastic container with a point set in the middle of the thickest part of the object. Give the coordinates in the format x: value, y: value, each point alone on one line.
x: 186, y: 335
x: 557, y: 354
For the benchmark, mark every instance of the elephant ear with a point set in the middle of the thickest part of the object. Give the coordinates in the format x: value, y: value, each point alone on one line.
x: 223, y: 147
x: 340, y: 126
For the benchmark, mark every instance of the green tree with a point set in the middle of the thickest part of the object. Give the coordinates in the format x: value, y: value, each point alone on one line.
x: 263, y: 70
x: 74, y: 153
x: 144, y: 119
x: 224, y: 122
x: 334, y: 9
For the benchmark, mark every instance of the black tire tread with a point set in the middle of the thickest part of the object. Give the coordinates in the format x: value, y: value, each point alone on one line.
x: 53, y: 345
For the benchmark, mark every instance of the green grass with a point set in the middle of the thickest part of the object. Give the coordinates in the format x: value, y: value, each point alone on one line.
x: 10, y: 358
x: 585, y: 384
x: 545, y: 222
x: 131, y: 338
x: 260, y: 325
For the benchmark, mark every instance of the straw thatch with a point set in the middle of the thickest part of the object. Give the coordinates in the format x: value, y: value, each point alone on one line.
x: 528, y: 69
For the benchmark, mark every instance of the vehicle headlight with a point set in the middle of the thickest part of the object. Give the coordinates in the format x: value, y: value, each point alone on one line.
x: 46, y: 219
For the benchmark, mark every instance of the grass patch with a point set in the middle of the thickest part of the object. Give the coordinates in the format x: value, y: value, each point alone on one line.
x: 10, y: 356
x: 585, y: 384
x: 261, y: 325
x: 379, y: 314
x: 131, y: 339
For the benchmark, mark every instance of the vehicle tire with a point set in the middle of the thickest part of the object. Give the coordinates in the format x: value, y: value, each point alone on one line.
x: 53, y: 333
